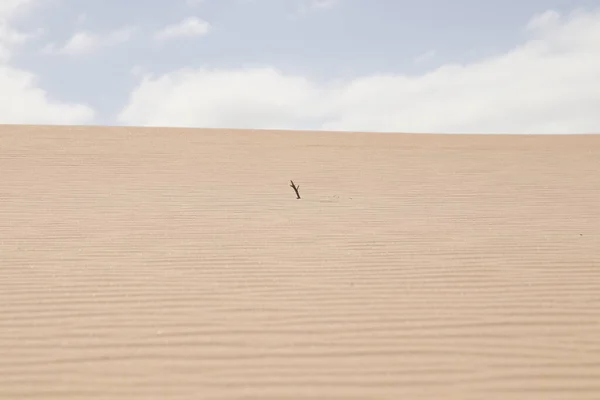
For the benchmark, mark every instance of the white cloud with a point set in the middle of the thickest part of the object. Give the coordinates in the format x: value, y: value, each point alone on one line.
x: 544, y: 20
x: 83, y: 42
x: 307, y: 6
x: 188, y: 27
x: 549, y: 84
x: 423, y: 58
x: 22, y: 100
x: 256, y: 97
x: 8, y: 39
x: 9, y: 36
x: 13, y: 8
x: 323, y: 3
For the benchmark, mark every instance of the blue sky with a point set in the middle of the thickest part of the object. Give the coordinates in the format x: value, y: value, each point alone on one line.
x: 378, y: 65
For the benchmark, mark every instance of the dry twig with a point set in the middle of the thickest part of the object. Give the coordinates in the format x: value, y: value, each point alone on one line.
x: 293, y: 186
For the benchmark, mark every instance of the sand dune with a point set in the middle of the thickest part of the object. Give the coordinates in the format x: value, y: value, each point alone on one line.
x: 178, y: 264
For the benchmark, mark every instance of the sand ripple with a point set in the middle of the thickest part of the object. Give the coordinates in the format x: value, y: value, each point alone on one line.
x: 177, y: 264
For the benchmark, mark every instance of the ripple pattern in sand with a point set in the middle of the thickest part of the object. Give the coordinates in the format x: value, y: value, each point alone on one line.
x: 177, y: 264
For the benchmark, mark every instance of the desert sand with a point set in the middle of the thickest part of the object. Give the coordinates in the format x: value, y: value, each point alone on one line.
x: 149, y: 263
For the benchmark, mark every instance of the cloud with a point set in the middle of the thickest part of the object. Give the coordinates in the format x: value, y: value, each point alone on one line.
x: 548, y: 84
x: 9, y: 36
x: 22, y: 100
x: 323, y: 3
x: 188, y: 27
x: 544, y: 20
x: 423, y: 58
x: 307, y: 6
x: 13, y: 8
x: 253, y: 97
x: 83, y: 42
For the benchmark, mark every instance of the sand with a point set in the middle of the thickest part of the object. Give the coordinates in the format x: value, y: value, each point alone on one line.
x: 147, y: 263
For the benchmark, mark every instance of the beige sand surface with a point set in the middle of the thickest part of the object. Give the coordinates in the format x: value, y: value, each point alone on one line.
x: 177, y: 264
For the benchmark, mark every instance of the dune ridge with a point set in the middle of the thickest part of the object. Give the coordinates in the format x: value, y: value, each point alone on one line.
x: 163, y: 263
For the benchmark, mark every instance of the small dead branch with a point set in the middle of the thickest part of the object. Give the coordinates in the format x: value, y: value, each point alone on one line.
x: 293, y: 186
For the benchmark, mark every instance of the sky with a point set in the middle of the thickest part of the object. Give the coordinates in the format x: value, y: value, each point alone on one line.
x: 427, y: 66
